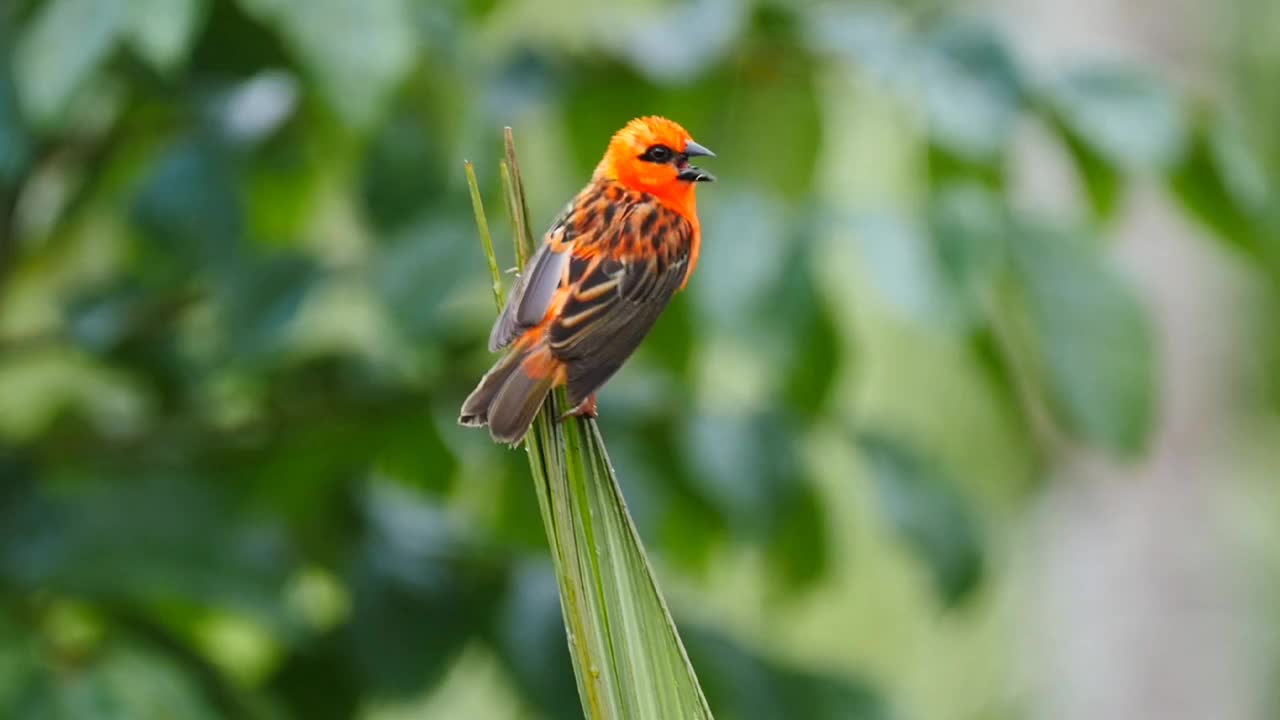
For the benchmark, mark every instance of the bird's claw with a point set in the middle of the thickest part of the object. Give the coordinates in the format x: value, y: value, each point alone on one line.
x: 586, y: 408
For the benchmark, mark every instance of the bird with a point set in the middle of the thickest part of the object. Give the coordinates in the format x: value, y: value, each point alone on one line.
x: 606, y: 268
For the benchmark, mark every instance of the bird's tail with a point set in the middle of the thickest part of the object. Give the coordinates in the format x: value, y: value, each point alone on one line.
x: 509, y: 395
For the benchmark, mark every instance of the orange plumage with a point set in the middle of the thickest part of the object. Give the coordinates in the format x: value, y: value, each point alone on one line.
x: 607, y: 267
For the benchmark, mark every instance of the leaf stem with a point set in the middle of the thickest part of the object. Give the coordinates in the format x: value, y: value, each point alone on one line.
x: 486, y: 240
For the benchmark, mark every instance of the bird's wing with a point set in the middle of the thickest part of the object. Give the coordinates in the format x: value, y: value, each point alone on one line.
x: 531, y: 295
x: 613, y: 300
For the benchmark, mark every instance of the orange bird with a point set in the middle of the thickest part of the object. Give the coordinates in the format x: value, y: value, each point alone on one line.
x: 607, y: 267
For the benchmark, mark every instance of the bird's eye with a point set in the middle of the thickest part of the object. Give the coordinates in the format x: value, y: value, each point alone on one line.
x: 658, y: 154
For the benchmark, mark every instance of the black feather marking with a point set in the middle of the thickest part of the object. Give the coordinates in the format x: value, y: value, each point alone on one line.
x: 650, y: 219
x: 578, y: 267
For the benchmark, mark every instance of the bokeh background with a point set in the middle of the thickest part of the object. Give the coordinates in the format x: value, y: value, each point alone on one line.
x: 971, y: 412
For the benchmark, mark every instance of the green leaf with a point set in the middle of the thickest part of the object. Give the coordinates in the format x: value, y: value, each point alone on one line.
x: 972, y: 90
x: 411, y: 451
x: 529, y: 636
x: 60, y: 50
x: 629, y: 659
x: 414, y: 272
x: 261, y: 299
x: 191, y: 552
x: 189, y: 211
x: 281, y: 182
x: 324, y: 662
x: 15, y: 139
x: 1089, y: 336
x: 162, y: 31
x: 815, y: 351
x: 420, y: 593
x: 403, y: 170
x: 906, y: 268
x: 799, y: 548
x: 1101, y: 180
x: 358, y: 50
x: 748, y: 468
x: 1122, y: 114
x: 127, y: 679
x: 781, y: 98
x: 743, y: 685
x: 967, y: 227
x: 1221, y: 183
x: 928, y: 513
x: 744, y: 464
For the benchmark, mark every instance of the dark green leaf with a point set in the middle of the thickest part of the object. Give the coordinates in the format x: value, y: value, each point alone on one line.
x: 529, y: 636
x: 799, y: 547
x: 1102, y: 182
x: 815, y: 352
x: 1221, y: 183
x: 420, y: 594
x: 409, y: 449
x: 947, y: 167
x: 404, y: 171
x: 261, y: 300
x: 189, y: 211
x: 189, y: 550
x: 15, y: 139
x: 928, y: 514
x: 326, y: 663
x: 741, y: 685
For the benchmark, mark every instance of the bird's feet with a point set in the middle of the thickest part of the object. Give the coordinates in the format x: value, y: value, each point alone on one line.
x: 586, y: 408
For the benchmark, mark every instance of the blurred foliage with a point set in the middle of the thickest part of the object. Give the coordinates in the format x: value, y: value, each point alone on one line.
x: 240, y: 302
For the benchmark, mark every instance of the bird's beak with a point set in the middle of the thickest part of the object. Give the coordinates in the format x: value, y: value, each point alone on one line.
x: 693, y: 149
x: 690, y: 173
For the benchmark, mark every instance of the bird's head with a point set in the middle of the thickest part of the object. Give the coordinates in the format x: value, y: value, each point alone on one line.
x: 651, y: 154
